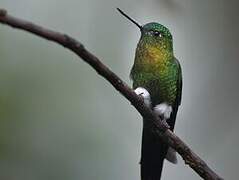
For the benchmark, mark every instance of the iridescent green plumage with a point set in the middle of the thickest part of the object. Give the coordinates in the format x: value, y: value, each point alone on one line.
x: 155, y: 67
x: 158, y: 71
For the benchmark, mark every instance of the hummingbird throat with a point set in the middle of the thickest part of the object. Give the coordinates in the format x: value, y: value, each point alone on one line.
x: 154, y: 54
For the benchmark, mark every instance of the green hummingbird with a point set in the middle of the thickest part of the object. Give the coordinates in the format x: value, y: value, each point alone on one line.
x: 157, y: 77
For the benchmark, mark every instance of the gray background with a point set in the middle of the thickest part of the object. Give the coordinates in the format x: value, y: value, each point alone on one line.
x: 59, y: 120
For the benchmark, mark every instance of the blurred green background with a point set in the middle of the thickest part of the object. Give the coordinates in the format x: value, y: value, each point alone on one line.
x: 60, y: 120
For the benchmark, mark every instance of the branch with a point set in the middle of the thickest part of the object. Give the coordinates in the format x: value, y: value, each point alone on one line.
x: 160, y: 129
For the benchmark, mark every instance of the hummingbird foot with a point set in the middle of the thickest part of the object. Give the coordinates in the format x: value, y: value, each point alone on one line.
x: 140, y: 91
x: 163, y: 110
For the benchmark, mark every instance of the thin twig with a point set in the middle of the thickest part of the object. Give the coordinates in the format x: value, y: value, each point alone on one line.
x: 160, y: 129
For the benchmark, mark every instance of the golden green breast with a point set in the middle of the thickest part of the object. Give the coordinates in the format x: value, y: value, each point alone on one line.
x: 156, y: 70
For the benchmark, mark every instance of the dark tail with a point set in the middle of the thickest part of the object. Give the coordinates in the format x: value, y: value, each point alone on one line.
x: 153, y: 152
x: 152, y: 156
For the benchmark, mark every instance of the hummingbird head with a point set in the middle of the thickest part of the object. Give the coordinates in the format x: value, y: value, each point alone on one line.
x: 153, y: 34
x: 157, y: 35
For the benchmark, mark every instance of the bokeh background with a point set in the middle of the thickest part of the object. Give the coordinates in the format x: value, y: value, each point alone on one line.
x: 60, y: 120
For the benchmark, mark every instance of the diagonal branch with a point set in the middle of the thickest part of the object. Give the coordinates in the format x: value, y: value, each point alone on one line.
x: 161, y: 130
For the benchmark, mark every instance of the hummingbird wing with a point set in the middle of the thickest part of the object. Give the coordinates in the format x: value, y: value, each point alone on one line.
x: 179, y: 84
x: 177, y: 102
x: 171, y: 153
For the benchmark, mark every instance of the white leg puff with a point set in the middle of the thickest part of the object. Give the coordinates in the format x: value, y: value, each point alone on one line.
x: 164, y: 110
x: 145, y: 94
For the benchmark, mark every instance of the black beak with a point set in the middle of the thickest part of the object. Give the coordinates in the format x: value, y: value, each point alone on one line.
x: 129, y: 18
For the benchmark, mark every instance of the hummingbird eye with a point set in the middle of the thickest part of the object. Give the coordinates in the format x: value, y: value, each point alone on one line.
x: 157, y: 34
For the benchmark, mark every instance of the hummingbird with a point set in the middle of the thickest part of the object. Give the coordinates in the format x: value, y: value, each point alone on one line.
x: 157, y: 77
